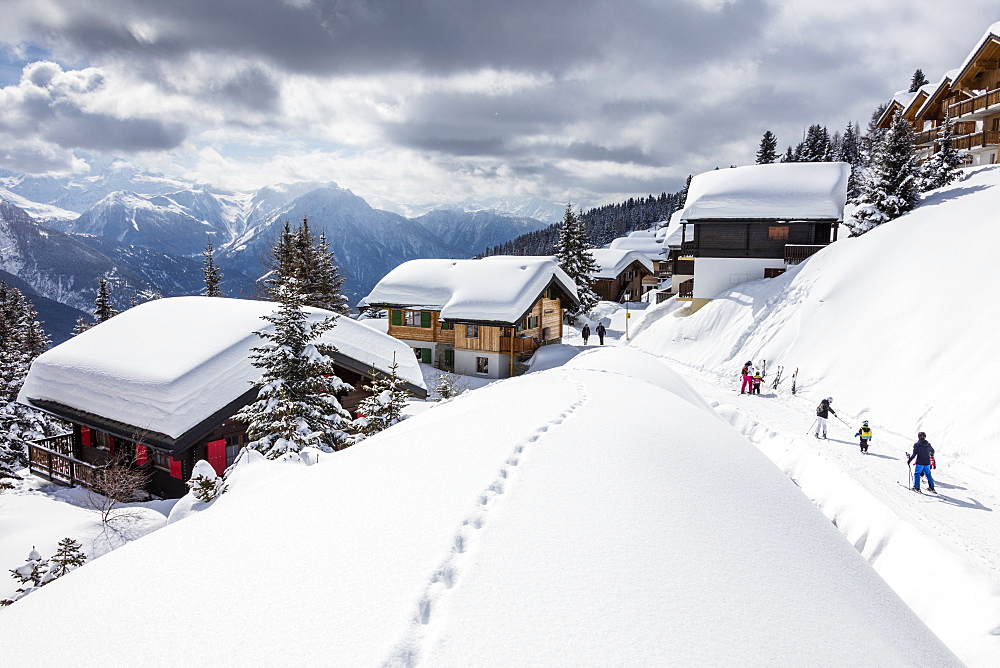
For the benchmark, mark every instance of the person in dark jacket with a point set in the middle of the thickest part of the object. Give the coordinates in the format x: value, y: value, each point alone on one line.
x: 601, y: 332
x: 923, y: 453
x: 822, y: 413
x: 585, y: 332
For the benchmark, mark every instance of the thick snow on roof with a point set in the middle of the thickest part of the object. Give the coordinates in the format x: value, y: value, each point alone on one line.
x: 613, y: 262
x: 992, y: 32
x: 782, y: 191
x: 168, y: 364
x: 644, y: 241
x: 494, y: 289
x: 464, y: 537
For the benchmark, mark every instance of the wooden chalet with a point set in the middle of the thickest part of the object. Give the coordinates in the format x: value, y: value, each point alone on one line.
x: 968, y: 95
x: 157, y: 386
x: 476, y: 317
x: 746, y: 223
x: 623, y: 275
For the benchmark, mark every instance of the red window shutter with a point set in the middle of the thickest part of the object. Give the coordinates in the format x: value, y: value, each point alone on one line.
x: 141, y: 454
x: 176, y: 470
x: 85, y: 436
x: 217, y: 455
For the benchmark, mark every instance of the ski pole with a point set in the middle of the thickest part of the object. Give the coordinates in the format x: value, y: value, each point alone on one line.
x: 909, y: 471
x: 838, y: 417
x: 812, y: 425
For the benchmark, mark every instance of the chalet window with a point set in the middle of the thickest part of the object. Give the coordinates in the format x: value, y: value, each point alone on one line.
x: 482, y: 365
x: 417, y: 319
x: 447, y: 325
x: 777, y: 233
x: 472, y: 331
x: 423, y: 355
x: 234, y: 443
x: 772, y: 272
x: 161, y: 460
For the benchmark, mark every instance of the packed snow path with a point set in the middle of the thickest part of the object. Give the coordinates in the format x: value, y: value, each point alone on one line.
x: 940, y: 553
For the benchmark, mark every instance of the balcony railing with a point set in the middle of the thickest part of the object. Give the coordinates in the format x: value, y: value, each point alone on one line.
x: 978, y: 140
x: 930, y: 135
x: 974, y: 104
x: 686, y: 289
x: 52, y: 458
x: 796, y: 253
x: 523, y: 345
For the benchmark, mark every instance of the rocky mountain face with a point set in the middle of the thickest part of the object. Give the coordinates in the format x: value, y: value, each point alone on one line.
x: 145, y: 232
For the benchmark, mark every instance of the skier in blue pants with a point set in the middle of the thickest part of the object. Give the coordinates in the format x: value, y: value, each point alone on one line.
x: 923, y: 452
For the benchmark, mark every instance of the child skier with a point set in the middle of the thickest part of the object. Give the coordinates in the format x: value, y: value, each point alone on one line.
x: 865, y: 433
x: 757, y: 378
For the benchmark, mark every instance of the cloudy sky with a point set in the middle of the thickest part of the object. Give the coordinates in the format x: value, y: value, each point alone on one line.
x: 435, y: 101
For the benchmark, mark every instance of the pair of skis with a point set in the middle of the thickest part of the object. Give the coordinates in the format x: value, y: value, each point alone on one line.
x: 777, y: 378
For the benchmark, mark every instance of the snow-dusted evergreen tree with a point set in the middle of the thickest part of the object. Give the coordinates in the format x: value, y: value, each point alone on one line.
x: 384, y: 407
x: 919, y: 79
x: 849, y: 150
x: 939, y: 171
x: 22, y: 339
x: 788, y: 156
x: 205, y: 484
x: 815, y: 147
x: 572, y: 256
x: 892, y: 181
x: 103, y: 308
x: 300, y: 255
x: 37, y: 572
x: 447, y: 387
x: 81, y: 326
x: 297, y: 405
x: 767, y: 152
x: 211, y: 271
x: 682, y: 196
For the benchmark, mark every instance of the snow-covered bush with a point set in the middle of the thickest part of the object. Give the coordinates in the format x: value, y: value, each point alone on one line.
x: 37, y: 572
x: 205, y: 484
x: 448, y: 387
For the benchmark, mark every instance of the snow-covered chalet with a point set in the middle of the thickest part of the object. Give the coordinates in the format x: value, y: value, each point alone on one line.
x: 748, y: 223
x: 968, y: 95
x: 623, y: 275
x: 475, y: 317
x: 158, y: 384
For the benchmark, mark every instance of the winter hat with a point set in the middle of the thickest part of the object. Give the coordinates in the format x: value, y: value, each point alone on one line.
x: 865, y: 423
x: 829, y: 400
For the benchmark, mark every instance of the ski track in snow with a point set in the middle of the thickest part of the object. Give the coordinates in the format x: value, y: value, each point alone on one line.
x: 430, y: 610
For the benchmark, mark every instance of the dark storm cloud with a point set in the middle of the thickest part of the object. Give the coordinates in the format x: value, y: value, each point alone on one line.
x: 106, y: 133
x: 340, y: 36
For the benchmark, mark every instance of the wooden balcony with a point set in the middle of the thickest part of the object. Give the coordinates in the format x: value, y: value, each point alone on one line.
x: 978, y: 140
x: 686, y: 289
x: 974, y: 105
x: 928, y: 137
x: 796, y: 253
x: 52, y: 458
x: 523, y: 345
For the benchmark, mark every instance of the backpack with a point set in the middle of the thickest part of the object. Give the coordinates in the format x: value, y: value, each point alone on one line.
x: 745, y: 370
x: 819, y: 409
x: 866, y: 433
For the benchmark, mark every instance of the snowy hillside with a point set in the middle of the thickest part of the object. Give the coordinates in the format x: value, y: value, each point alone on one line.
x: 465, y: 537
x: 899, y: 324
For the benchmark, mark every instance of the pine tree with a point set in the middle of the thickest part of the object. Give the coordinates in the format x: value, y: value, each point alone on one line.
x: 103, y: 308
x: 68, y: 557
x: 683, y: 194
x: 849, y: 151
x: 37, y: 572
x: 205, y: 484
x: 328, y: 283
x: 572, y: 256
x: 918, y: 80
x: 300, y: 255
x: 384, y: 407
x: 788, y: 156
x: 212, y: 273
x: 296, y: 405
x: 81, y: 326
x: 22, y: 339
x: 447, y: 387
x: 939, y: 171
x: 767, y: 154
x: 891, y: 186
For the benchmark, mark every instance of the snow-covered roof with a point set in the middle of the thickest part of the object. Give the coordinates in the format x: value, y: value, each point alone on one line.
x: 169, y: 364
x: 993, y: 32
x: 645, y: 241
x: 498, y: 289
x: 613, y: 262
x: 782, y: 191
x: 673, y: 240
x: 936, y: 89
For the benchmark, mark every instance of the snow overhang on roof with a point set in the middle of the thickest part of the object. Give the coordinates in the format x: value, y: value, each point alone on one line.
x: 990, y: 41
x: 494, y: 290
x: 168, y: 367
x: 779, y: 192
x: 613, y: 262
x: 645, y: 242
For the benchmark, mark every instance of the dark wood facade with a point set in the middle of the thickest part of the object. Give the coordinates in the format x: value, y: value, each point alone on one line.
x: 758, y: 239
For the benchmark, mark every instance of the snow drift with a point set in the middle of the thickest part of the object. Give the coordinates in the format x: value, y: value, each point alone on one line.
x: 509, y: 526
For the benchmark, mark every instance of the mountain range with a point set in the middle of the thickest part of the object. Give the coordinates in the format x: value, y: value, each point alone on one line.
x: 146, y: 232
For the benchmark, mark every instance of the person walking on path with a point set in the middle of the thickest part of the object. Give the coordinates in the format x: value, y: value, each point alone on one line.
x: 822, y: 413
x: 586, y: 333
x: 601, y: 332
x: 747, y: 373
x: 923, y: 452
x: 865, y: 433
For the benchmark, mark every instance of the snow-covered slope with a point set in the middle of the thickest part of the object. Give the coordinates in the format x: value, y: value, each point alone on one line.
x: 899, y: 325
x: 465, y: 537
